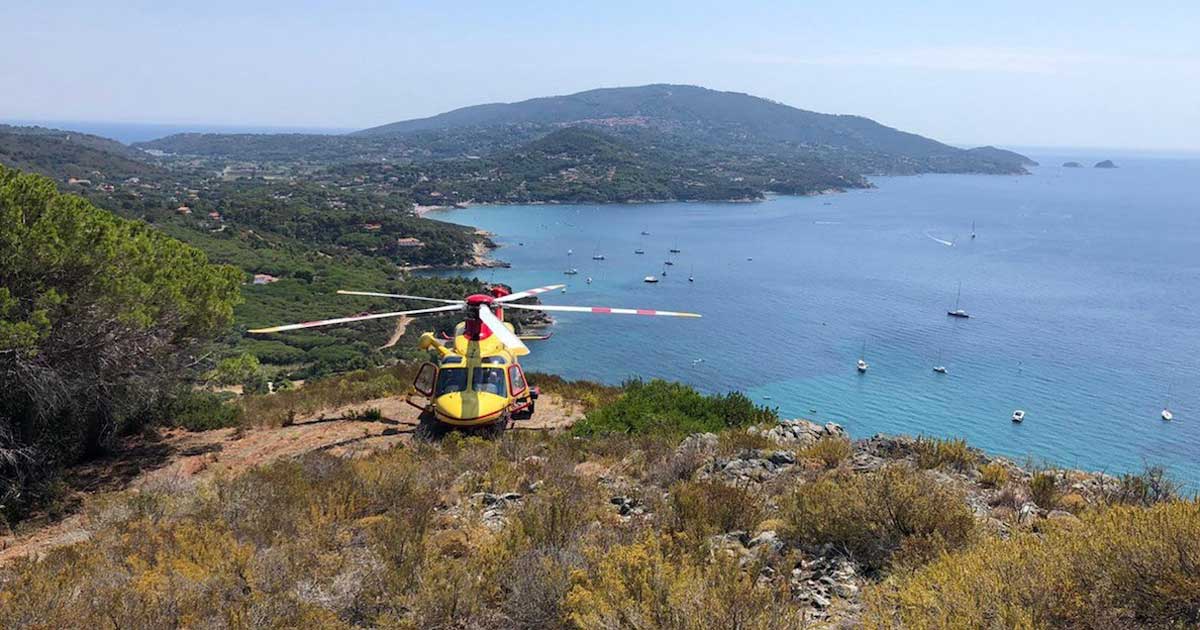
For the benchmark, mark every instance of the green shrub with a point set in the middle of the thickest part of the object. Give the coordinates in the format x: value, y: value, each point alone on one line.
x: 674, y: 409
x: 937, y: 452
x: 892, y: 512
x: 829, y: 450
x: 1043, y: 489
x: 703, y: 508
x: 202, y: 411
x: 993, y: 475
x: 1147, y: 488
x: 1121, y: 567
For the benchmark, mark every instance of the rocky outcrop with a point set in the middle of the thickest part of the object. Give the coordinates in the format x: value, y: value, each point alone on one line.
x: 1072, y: 165
x: 754, y: 465
x: 799, y: 432
x: 1105, y: 164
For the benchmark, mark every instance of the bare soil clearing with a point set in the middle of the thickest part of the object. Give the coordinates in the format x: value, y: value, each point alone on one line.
x: 184, y: 458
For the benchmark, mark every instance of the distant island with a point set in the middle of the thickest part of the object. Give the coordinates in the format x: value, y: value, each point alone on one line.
x: 648, y: 143
x: 1072, y: 165
x: 1105, y: 164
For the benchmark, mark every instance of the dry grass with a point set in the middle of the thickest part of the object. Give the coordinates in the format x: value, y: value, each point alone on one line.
x: 1122, y: 567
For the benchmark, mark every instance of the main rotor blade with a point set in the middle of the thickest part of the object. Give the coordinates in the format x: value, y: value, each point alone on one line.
x: 524, y: 294
x: 356, y: 318
x: 600, y: 309
x: 510, y: 340
x: 402, y: 297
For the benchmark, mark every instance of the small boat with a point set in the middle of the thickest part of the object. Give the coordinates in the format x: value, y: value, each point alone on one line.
x: 958, y: 312
x: 589, y: 279
x: 597, y: 256
x: 645, y: 233
x: 564, y: 289
x: 668, y: 263
x: 691, y: 278
x: 749, y: 259
x: 570, y: 252
x: 1166, y: 412
x: 572, y: 271
x: 862, y: 366
x: 674, y: 250
x: 1018, y: 416
x: 972, y: 229
x: 639, y: 251
x: 938, y: 367
x: 650, y: 279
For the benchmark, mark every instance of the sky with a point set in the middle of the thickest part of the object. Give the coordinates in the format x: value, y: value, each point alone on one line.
x: 1064, y: 73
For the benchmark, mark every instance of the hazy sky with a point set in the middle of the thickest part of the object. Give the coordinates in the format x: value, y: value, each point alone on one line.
x: 1061, y: 72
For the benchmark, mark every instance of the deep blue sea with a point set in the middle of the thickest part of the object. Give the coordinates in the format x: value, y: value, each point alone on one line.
x: 1083, y: 286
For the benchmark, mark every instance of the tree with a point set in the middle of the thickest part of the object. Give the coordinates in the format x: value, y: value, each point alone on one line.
x: 98, y: 317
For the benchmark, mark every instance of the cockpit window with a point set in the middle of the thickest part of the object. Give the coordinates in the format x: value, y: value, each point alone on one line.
x: 493, y: 360
x: 490, y: 380
x: 451, y: 360
x: 451, y: 380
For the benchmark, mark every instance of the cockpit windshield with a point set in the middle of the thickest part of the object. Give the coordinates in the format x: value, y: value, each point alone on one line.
x: 489, y: 380
x: 451, y: 380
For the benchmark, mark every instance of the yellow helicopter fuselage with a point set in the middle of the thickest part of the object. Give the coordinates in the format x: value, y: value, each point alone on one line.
x: 473, y: 380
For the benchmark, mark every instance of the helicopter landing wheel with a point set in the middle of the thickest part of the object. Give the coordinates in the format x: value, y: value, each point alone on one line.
x: 525, y: 413
x: 429, y: 429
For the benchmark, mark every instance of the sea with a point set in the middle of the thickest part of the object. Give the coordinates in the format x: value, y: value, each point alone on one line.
x: 1083, y: 287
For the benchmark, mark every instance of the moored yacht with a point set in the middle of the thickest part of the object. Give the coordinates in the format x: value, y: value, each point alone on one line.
x: 1018, y: 416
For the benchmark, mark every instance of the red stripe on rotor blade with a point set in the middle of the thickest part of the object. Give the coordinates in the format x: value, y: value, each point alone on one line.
x: 646, y: 311
x: 601, y: 309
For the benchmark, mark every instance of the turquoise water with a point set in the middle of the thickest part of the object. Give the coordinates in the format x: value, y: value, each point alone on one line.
x: 1083, y: 287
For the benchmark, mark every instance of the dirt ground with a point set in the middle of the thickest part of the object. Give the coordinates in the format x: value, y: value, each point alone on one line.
x: 184, y: 458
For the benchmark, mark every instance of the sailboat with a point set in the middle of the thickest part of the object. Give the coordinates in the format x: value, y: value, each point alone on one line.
x: 862, y: 366
x: 972, y: 230
x: 958, y: 312
x: 938, y: 367
x: 692, y: 274
x: 1166, y: 412
x: 596, y: 255
x: 675, y: 249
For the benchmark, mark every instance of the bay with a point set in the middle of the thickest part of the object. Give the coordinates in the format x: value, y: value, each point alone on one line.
x: 1082, y: 284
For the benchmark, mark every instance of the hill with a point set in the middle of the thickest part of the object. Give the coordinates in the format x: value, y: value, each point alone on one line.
x: 1002, y: 155
x: 717, y: 119
x: 62, y: 154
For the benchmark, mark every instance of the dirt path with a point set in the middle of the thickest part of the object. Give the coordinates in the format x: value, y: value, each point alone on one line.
x: 182, y: 459
x: 401, y: 326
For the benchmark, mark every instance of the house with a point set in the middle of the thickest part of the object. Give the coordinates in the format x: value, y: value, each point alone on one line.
x: 183, y: 210
x: 263, y: 278
x: 372, y: 227
x: 214, y: 215
x: 79, y: 182
x: 409, y: 241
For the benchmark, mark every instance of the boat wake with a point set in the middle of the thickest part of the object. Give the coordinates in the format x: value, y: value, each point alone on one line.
x: 940, y: 240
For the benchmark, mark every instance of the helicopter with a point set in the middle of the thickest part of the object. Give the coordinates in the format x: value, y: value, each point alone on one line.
x: 474, y: 379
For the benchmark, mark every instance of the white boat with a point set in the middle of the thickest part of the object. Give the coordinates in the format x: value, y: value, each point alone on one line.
x: 1018, y: 416
x: 958, y: 312
x: 650, y: 279
x: 572, y: 271
x: 597, y: 256
x: 1167, y: 415
x: 862, y: 366
x: 938, y: 367
x: 639, y: 251
x: 589, y: 279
